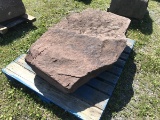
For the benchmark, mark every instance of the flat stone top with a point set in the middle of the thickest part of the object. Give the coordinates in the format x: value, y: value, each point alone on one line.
x: 78, y: 48
x: 95, y: 23
x: 60, y: 53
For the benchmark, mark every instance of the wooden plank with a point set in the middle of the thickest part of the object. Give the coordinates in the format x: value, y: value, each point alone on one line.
x: 115, y: 70
x: 3, y: 29
x: 130, y: 43
x: 129, y: 46
x: 108, y: 78
x: 127, y: 49
x: 92, y: 96
x: 14, y: 22
x: 29, y: 18
x: 21, y: 61
x: 68, y: 102
x: 124, y: 56
x: 120, y: 63
x: 101, y: 86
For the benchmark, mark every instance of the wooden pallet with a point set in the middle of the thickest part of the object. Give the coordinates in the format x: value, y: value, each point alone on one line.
x: 5, y: 26
x: 88, y: 102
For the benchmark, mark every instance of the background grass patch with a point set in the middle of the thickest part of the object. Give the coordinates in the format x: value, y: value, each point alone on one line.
x: 137, y: 93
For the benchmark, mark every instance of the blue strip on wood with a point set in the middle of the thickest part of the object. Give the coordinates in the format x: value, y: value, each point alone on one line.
x: 124, y: 56
x: 92, y: 96
x: 14, y: 23
x: 108, y: 78
x: 127, y: 49
x: 115, y: 70
x: 101, y: 86
x: 120, y: 63
x: 44, y: 99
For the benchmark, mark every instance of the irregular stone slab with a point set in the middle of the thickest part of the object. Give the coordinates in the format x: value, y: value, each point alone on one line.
x: 67, y: 60
x: 129, y: 8
x: 96, y: 23
x: 10, y: 9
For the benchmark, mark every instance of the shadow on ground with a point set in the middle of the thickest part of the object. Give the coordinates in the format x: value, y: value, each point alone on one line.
x: 123, y: 91
x: 16, y: 32
x: 87, y: 2
x: 144, y: 25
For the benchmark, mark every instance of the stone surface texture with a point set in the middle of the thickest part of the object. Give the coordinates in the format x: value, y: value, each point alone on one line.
x: 129, y: 8
x: 67, y: 58
x: 96, y: 23
x: 10, y: 9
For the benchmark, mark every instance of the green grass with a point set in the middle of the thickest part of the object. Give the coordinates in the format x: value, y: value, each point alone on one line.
x: 137, y: 94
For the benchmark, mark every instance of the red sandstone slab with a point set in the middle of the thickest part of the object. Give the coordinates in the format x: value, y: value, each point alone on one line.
x: 78, y: 48
x: 67, y: 60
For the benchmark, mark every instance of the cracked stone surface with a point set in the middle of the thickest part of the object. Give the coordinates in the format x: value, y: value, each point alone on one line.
x: 10, y: 9
x: 67, y: 58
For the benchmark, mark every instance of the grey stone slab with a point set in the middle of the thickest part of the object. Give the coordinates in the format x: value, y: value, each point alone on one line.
x: 129, y: 8
x: 10, y: 9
